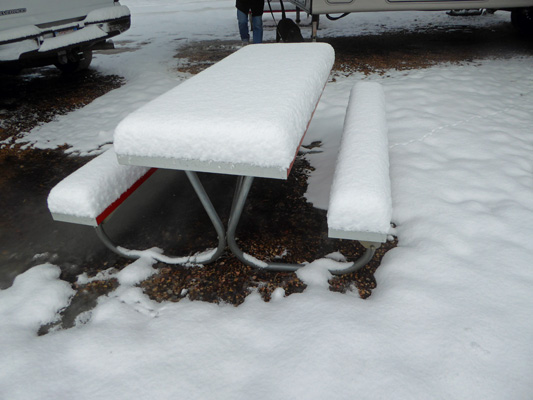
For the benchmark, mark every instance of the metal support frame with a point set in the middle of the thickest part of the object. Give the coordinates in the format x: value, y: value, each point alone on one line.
x: 242, y: 189
x: 211, y: 212
x: 244, y: 183
x: 213, y: 216
x: 102, y: 235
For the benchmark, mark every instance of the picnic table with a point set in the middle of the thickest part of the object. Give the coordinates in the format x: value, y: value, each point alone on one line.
x: 230, y: 120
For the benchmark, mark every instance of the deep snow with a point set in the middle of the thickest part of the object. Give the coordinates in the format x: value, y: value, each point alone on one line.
x: 451, y: 317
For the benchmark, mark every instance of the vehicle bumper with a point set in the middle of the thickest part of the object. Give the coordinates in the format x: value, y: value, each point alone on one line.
x: 34, y: 41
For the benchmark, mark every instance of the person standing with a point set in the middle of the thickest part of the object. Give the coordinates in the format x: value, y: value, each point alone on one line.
x: 244, y: 7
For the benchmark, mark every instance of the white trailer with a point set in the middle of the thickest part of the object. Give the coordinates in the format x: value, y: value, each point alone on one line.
x: 521, y: 10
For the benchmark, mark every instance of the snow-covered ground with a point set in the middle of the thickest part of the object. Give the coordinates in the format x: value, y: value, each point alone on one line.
x: 451, y: 317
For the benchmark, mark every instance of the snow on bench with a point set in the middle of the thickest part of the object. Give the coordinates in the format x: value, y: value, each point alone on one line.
x: 360, y: 206
x: 90, y: 194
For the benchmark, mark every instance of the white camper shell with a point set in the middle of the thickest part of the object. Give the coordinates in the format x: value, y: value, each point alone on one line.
x: 521, y: 10
x: 59, y: 32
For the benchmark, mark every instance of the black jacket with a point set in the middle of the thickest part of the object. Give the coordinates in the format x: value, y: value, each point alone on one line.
x: 255, y: 5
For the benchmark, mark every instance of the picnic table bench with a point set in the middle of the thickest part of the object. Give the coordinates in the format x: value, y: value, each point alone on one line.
x: 229, y: 120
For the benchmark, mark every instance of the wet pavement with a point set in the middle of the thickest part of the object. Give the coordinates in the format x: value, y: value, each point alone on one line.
x: 28, y: 235
x: 152, y: 216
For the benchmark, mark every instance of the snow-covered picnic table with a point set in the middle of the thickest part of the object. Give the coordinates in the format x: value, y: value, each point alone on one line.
x: 229, y: 119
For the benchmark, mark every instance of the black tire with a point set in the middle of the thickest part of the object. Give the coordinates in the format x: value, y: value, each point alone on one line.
x: 522, y: 20
x: 76, y: 62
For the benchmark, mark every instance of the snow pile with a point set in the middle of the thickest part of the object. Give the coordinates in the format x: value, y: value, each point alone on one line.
x: 33, y: 300
x: 360, y: 193
x: 87, y: 192
x: 216, y: 116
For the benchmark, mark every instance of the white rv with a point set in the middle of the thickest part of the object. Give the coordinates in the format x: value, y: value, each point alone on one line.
x: 59, y: 32
x: 521, y: 10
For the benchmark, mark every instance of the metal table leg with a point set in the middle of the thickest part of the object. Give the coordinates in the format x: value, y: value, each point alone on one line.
x: 241, y: 194
x: 202, y: 258
x: 211, y: 212
x: 102, y: 235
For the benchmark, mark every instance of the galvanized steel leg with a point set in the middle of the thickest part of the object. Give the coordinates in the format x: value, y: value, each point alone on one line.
x: 110, y: 245
x: 211, y: 212
x: 244, y: 183
x: 241, y: 194
x: 359, y: 263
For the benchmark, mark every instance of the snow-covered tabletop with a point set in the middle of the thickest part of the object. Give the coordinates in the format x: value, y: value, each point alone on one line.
x: 245, y: 115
